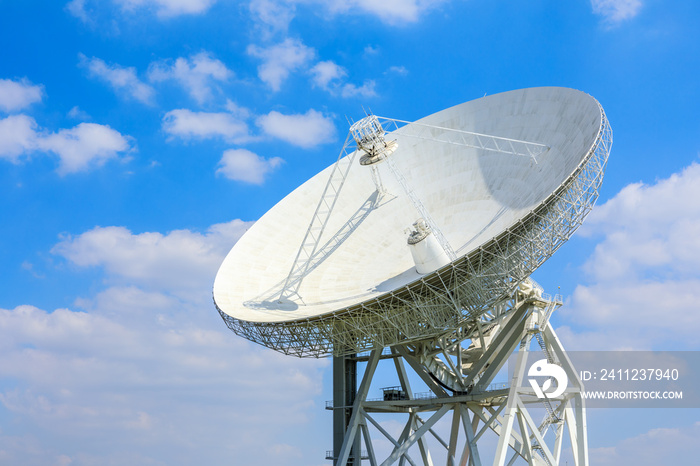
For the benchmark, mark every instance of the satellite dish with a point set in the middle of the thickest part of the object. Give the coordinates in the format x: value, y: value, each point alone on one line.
x: 418, y: 226
x: 422, y: 237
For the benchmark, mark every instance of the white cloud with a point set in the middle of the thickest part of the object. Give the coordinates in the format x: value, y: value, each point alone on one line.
x: 163, y: 8
x: 366, y: 90
x: 278, y: 61
x: 400, y: 70
x: 615, y: 11
x: 244, y: 165
x: 661, y: 445
x: 642, y: 315
x: 79, y: 148
x: 237, y: 111
x: 648, y: 228
x: 644, y: 280
x: 128, y: 302
x: 370, y: 50
x: 17, y: 136
x: 187, y: 124
x: 17, y: 95
x: 169, y: 8
x: 162, y: 392
x: 150, y: 366
x: 304, y: 130
x: 84, y: 146
x: 394, y: 12
x: 277, y: 14
x: 78, y: 114
x: 325, y: 72
x: 121, y: 79
x: 391, y: 11
x: 197, y: 74
x: 272, y: 16
x: 179, y: 262
x: 330, y: 76
x: 77, y: 9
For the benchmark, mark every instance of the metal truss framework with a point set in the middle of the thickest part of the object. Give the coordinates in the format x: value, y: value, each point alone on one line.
x: 369, y: 135
x: 480, y: 406
x: 485, y: 142
x: 418, y: 205
x: 307, y: 256
x: 457, y: 293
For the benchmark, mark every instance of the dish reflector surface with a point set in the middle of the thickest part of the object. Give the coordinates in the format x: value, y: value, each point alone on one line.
x: 479, y: 199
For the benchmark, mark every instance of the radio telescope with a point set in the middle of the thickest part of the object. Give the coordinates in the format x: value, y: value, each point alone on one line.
x: 417, y: 247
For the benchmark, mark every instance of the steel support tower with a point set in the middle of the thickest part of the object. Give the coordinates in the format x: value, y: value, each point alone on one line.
x: 459, y: 370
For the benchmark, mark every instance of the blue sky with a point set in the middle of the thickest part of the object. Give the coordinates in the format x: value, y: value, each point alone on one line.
x: 140, y: 138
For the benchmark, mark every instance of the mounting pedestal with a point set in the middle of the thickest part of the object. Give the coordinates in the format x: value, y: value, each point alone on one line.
x: 459, y: 368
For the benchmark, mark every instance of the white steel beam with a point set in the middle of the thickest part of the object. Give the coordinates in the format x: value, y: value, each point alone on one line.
x: 471, y: 449
x: 485, y: 142
x: 505, y: 413
x: 319, y: 220
x: 403, y: 448
x: 356, y: 416
x: 422, y: 211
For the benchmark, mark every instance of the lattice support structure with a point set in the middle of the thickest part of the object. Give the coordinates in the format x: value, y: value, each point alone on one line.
x: 454, y: 294
x: 472, y: 356
x: 307, y: 255
x: 418, y: 205
x: 486, y: 142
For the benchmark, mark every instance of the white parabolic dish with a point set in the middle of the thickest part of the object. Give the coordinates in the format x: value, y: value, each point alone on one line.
x: 502, y: 214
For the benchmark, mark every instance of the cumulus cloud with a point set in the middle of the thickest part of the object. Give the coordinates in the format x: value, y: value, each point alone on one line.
x: 272, y: 16
x: 17, y: 136
x: 648, y: 228
x: 277, y: 14
x: 399, y: 70
x: 163, y: 391
x: 278, y: 61
x: 366, y: 90
x: 78, y: 114
x: 394, y: 12
x: 187, y: 124
x: 84, y: 146
x: 79, y: 148
x: 77, y: 9
x: 122, y: 80
x: 168, y: 8
x: 661, y: 445
x: 330, y: 76
x: 236, y: 110
x: 164, y: 9
x: 304, y: 130
x: 615, y: 11
x: 244, y: 165
x: 370, y: 51
x: 643, y: 279
x: 325, y: 72
x: 197, y: 74
x: 128, y: 302
x: 148, y: 364
x: 17, y: 95
x: 178, y: 262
